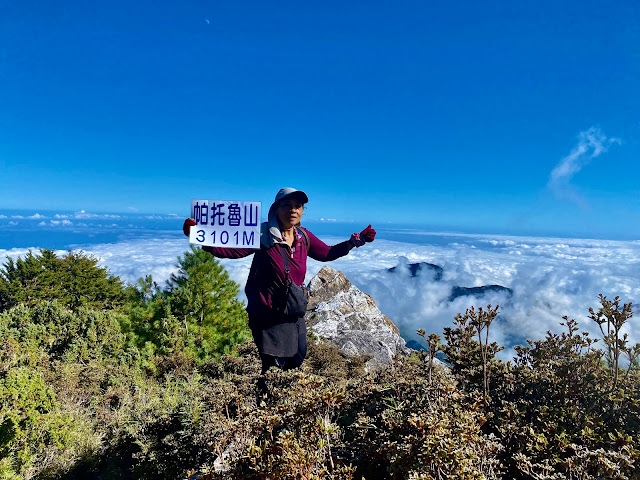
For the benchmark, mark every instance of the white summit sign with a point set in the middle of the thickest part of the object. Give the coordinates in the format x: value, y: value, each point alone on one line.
x: 224, y: 223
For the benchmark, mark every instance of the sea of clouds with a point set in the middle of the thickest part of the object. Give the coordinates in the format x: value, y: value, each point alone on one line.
x: 550, y: 277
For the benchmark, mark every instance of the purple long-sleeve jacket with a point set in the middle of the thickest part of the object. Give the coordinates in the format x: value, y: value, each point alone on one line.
x: 267, y: 274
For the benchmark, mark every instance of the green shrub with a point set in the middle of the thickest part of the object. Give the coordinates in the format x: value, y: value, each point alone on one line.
x: 154, y: 383
x: 559, y: 409
x: 391, y: 424
x: 74, y: 281
x: 34, y: 434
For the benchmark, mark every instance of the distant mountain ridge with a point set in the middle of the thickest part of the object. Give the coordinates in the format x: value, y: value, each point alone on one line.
x: 415, y: 268
x: 456, y: 291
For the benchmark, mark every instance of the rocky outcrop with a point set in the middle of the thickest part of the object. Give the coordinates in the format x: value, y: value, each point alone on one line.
x: 350, y: 319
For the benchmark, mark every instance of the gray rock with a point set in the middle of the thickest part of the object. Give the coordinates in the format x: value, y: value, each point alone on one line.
x: 350, y: 319
x: 221, y: 463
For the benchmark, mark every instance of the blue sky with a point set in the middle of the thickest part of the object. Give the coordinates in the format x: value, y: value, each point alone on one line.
x: 450, y: 115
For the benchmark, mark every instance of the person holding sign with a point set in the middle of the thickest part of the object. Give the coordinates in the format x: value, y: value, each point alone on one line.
x: 276, y: 297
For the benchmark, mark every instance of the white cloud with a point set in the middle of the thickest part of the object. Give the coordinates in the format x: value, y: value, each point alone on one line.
x: 136, y: 258
x: 84, y: 214
x: 549, y: 277
x: 17, y: 216
x: 21, y: 252
x: 3, y: 216
x: 591, y: 144
x: 545, y: 287
x: 42, y: 224
x: 36, y: 216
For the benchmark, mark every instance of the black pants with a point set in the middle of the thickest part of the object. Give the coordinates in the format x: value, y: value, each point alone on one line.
x: 286, y: 363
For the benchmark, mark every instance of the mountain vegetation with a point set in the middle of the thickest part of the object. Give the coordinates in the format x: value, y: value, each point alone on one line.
x: 102, y: 380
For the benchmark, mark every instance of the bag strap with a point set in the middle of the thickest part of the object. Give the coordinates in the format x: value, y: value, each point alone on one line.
x: 306, y: 238
x: 286, y: 263
x: 285, y: 257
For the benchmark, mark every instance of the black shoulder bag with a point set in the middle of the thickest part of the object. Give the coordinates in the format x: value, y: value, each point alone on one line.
x: 293, y: 298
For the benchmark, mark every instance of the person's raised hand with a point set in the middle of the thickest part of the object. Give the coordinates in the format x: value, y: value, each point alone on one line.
x: 188, y: 223
x: 356, y: 240
x: 368, y: 234
x: 359, y: 239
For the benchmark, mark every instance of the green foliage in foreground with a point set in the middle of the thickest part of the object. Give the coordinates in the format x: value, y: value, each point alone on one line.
x: 563, y: 409
x: 75, y: 344
x: 195, y: 318
x: 145, y: 388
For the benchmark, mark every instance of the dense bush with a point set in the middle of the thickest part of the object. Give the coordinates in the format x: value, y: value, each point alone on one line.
x: 74, y: 281
x: 389, y: 424
x: 562, y: 409
x: 48, y: 384
x: 151, y: 382
x: 92, y: 373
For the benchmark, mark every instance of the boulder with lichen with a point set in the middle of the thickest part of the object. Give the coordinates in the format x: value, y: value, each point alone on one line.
x: 349, y: 318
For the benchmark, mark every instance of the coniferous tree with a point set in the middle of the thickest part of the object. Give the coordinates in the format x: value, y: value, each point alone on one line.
x: 204, y: 298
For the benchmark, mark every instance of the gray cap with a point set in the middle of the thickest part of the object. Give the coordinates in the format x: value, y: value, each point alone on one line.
x: 285, y: 192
